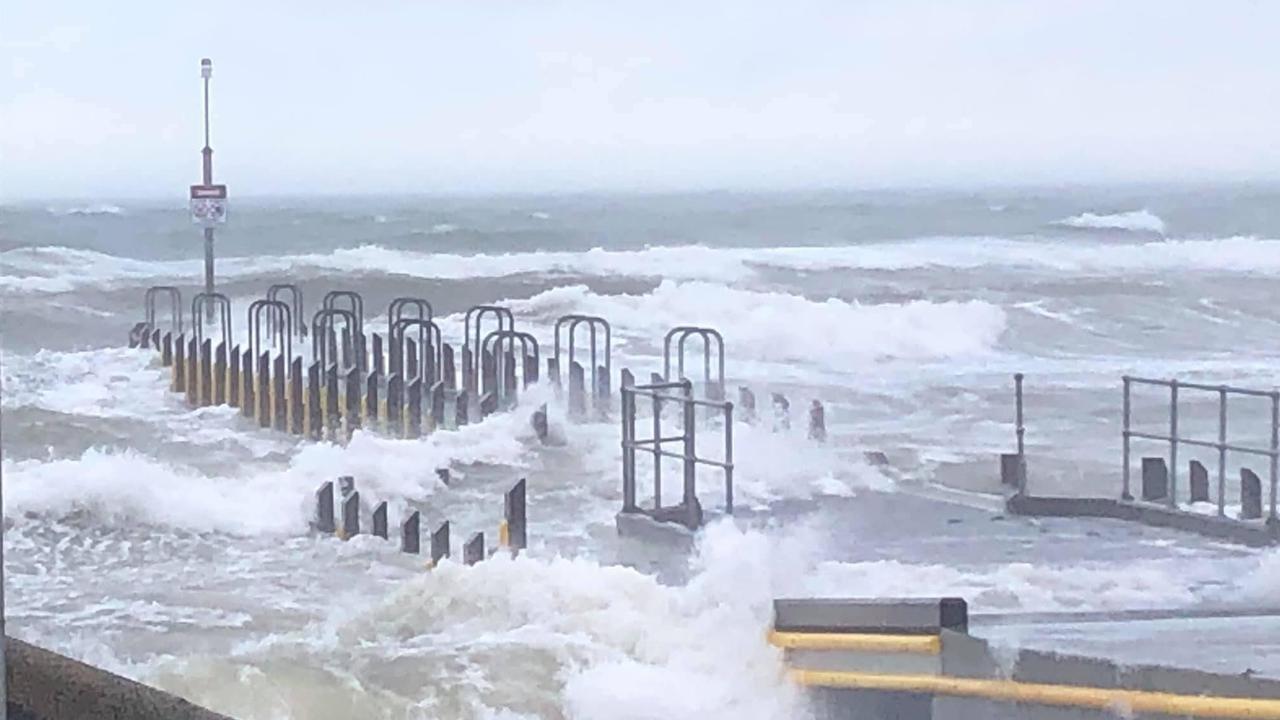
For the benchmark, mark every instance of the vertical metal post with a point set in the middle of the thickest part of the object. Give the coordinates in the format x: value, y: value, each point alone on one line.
x: 690, y: 446
x: 1275, y: 452
x: 1124, y: 493
x: 628, y: 449
x: 728, y: 457
x: 657, y: 451
x: 1021, y: 433
x: 4, y: 643
x: 1173, y: 443
x: 1222, y: 451
x: 206, y: 71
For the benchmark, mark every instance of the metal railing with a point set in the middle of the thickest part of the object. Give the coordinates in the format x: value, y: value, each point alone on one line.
x: 1221, y: 444
x: 658, y: 392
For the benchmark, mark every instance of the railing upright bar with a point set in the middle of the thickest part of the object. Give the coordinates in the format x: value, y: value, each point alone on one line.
x: 1173, y: 444
x: 1222, y: 452
x: 690, y: 447
x: 1275, y: 451
x: 1124, y: 493
x: 657, y: 452
x: 728, y: 458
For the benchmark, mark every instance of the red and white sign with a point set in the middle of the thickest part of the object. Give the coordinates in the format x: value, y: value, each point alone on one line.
x: 208, y: 204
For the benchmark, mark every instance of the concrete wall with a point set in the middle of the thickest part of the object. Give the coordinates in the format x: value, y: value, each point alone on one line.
x: 44, y: 685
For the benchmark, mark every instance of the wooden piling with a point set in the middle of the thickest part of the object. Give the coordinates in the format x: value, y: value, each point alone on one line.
x: 577, y: 391
x: 179, y: 383
x: 380, y: 520
x: 262, y: 391
x: 530, y: 369
x: 461, y: 409
x: 324, y: 520
x: 220, y: 375
x: 447, y: 371
x: 468, y: 369
x: 354, y: 385
x: 193, y: 372
x: 279, y: 402
x: 395, y: 406
x: 747, y: 405
x: 440, y: 543
x: 1250, y: 495
x: 488, y: 405
x: 473, y: 551
x: 488, y: 373
x: 553, y: 373
x: 817, y: 421
x: 166, y: 349
x: 371, y: 398
x: 155, y: 339
x: 233, y: 377
x: 437, y: 406
x: 351, y: 515
x: 513, y: 512
x: 1155, y: 478
x: 332, y: 415
x: 378, y: 366
x: 410, y: 360
x: 297, y: 418
x: 206, y: 374
x: 413, y: 410
x: 1199, y: 483
x: 781, y: 412
x: 314, y: 412
x: 247, y: 405
x: 411, y: 533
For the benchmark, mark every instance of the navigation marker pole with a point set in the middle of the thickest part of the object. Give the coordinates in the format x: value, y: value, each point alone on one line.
x: 208, y: 201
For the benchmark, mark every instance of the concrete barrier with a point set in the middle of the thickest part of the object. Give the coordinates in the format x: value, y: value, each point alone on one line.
x: 44, y: 685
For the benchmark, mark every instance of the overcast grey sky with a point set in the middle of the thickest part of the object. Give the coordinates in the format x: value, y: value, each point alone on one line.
x: 103, y: 98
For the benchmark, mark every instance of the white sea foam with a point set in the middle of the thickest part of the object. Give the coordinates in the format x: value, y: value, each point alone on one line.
x: 123, y: 485
x: 94, y: 209
x: 773, y: 326
x: 61, y: 269
x: 1133, y: 221
x: 529, y: 637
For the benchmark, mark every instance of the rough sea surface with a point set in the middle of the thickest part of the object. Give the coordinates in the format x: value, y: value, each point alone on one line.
x: 172, y: 544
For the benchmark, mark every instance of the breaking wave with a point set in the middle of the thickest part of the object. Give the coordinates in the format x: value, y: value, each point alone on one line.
x: 778, y: 327
x: 1143, y: 221
x: 95, y: 209
x: 62, y: 269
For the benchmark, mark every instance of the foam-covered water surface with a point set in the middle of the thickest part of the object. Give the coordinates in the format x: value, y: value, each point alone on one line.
x: 172, y: 544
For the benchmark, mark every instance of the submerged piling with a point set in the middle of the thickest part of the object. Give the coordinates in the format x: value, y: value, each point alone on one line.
x: 411, y: 533
x: 440, y: 543
x: 1250, y: 495
x: 473, y: 551
x: 324, y: 521
x: 1155, y: 479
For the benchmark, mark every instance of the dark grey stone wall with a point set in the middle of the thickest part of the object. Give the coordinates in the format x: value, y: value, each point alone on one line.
x: 44, y: 685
